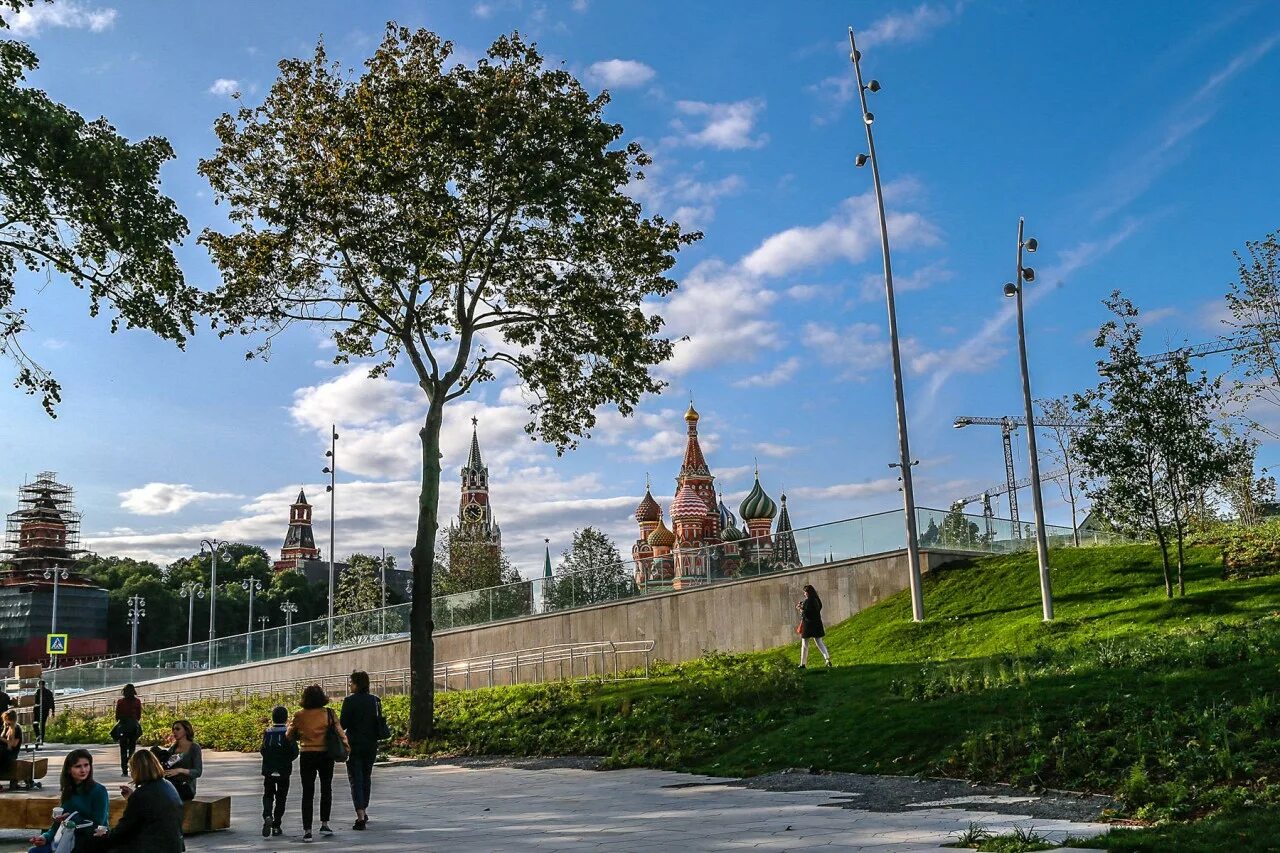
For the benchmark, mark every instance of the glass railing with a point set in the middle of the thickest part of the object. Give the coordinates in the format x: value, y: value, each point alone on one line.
x: 835, y: 541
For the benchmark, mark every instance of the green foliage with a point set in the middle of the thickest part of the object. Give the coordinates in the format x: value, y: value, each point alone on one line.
x: 1248, y: 551
x: 592, y: 570
x: 80, y: 201
x: 470, y: 219
x: 359, y: 592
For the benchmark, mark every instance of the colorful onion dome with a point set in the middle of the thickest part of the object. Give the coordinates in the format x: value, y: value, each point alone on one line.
x: 688, y: 505
x: 757, y: 505
x: 648, y: 510
x: 661, y: 536
x: 731, y: 534
x: 691, y: 415
x: 726, y: 515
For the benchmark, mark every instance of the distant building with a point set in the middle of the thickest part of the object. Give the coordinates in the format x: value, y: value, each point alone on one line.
x: 42, y: 542
x: 476, y: 527
x: 300, y: 554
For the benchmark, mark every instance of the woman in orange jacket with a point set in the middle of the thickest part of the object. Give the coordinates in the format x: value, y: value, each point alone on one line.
x: 310, y: 727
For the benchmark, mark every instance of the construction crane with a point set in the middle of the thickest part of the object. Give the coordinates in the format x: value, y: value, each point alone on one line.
x: 1008, y: 425
x: 1227, y: 343
x: 995, y: 491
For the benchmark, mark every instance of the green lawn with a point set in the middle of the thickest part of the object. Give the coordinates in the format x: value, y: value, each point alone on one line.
x: 1171, y: 705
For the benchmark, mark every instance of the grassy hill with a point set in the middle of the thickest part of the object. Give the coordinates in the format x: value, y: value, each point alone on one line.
x: 1172, y: 705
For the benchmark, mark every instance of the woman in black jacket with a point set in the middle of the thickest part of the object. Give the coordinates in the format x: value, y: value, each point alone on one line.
x: 810, y: 608
x: 361, y: 716
x: 152, y: 819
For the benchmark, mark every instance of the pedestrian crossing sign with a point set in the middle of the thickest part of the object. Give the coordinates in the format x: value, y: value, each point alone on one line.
x: 55, y: 644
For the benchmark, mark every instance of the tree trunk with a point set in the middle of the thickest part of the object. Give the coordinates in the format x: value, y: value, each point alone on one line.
x: 1182, y: 584
x: 1071, y: 495
x: 422, y: 652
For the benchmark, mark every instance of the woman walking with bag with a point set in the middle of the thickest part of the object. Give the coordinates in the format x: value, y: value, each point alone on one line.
x: 321, y: 743
x: 810, y: 627
x: 128, y: 725
x: 364, y: 724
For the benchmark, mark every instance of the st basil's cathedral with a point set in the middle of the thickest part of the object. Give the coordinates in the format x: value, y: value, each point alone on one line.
x: 704, y: 541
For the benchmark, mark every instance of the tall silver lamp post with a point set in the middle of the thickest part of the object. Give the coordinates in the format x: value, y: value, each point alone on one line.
x: 55, y: 574
x: 904, y: 449
x: 137, y: 610
x: 332, y: 470
x: 191, y: 590
x: 217, y: 552
x: 288, y: 608
x: 254, y: 586
x: 1013, y: 289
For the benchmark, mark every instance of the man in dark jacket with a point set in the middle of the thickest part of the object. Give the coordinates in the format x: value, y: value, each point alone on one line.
x: 44, y: 704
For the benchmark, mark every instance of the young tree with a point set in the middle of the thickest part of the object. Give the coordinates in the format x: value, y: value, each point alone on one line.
x: 1062, y: 448
x: 1254, y: 302
x: 957, y: 529
x: 463, y: 564
x: 592, y: 571
x: 471, y: 220
x: 359, y: 592
x: 1245, y: 491
x: 79, y: 200
x: 1149, y: 449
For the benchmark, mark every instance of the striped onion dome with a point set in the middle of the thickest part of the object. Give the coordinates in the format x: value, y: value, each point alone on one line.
x: 688, y: 505
x: 648, y: 510
x: 661, y: 536
x: 731, y: 534
x: 757, y: 505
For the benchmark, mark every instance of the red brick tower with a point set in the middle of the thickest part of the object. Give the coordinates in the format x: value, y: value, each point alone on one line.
x: 299, y: 541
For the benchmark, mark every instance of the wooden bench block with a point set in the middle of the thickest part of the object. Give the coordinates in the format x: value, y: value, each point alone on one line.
x: 13, y: 812
x: 26, y: 770
x: 219, y: 813
x: 28, y: 670
x: 195, y: 817
x: 115, y: 809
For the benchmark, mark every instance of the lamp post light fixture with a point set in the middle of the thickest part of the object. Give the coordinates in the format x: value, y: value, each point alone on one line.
x: 55, y: 574
x: 217, y: 552
x: 191, y: 590
x: 332, y: 470
x: 904, y: 448
x: 137, y: 610
x: 288, y: 608
x: 254, y: 586
x: 262, y: 629
x: 1013, y: 290
x: 383, y: 610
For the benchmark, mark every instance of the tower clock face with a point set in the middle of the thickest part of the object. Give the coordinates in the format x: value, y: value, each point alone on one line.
x: 473, y: 512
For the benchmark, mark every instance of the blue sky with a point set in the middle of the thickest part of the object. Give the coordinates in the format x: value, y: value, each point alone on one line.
x: 1137, y: 140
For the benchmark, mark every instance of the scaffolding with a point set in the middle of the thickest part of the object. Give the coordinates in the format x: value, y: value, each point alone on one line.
x: 43, y: 534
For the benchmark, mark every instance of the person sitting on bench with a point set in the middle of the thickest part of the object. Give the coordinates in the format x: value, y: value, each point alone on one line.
x: 10, y: 742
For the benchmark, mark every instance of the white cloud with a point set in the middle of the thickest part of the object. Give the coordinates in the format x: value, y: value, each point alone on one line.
x: 851, y: 234
x: 69, y: 14
x: 165, y: 498
x: 693, y: 200
x: 903, y: 27
x: 872, y: 288
x: 858, y: 348
x: 55, y: 343
x: 620, y: 73
x: 845, y: 491
x: 724, y: 314
x: 729, y: 126
x: 778, y: 451
x: 482, y: 10
x: 802, y: 292
x: 779, y: 374
x: 224, y: 87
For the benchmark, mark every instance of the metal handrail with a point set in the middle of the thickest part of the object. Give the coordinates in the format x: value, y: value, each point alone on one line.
x: 537, y: 661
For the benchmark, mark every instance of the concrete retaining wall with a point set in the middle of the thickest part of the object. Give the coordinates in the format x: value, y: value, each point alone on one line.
x: 736, y: 616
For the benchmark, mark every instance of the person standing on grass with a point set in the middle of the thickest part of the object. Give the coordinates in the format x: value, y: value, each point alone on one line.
x: 310, y: 729
x: 278, y: 753
x: 810, y: 627
x: 128, y: 724
x: 361, y: 719
x: 81, y: 796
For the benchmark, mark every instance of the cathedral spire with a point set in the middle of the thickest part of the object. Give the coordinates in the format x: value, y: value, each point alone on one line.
x: 473, y: 460
x: 784, y: 540
x: 694, y: 461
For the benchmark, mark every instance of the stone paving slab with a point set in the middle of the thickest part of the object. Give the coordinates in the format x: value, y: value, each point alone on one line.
x: 462, y: 809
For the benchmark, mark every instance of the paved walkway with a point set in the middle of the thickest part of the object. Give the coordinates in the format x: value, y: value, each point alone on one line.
x: 497, y: 808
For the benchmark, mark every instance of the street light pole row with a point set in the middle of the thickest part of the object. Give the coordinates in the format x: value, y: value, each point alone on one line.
x: 905, y: 463
x: 332, y: 470
x: 137, y: 610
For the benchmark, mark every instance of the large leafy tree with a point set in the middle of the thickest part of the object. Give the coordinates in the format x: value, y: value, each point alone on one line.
x: 80, y: 201
x: 467, y: 220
